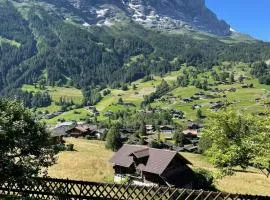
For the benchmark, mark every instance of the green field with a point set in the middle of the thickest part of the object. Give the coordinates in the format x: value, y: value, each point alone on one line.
x: 56, y: 92
x: 73, y: 115
x: 89, y: 162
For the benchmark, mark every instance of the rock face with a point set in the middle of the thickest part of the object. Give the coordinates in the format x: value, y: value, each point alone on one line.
x: 163, y: 14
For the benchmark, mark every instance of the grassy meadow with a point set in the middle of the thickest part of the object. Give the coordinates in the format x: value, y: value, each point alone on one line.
x: 56, y: 92
x: 90, y: 162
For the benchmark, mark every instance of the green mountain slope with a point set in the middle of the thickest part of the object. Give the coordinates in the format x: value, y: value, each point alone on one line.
x: 51, y: 46
x: 222, y: 94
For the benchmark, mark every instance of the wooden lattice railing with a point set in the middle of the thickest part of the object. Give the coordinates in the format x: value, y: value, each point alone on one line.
x: 68, y: 189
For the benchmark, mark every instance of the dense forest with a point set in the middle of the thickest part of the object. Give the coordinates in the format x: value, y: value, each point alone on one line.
x: 42, y: 47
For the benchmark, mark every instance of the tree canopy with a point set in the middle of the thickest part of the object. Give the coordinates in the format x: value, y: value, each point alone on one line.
x: 25, y: 145
x: 231, y: 139
x: 113, y: 138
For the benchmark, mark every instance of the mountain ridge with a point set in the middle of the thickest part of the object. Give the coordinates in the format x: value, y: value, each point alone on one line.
x: 161, y: 14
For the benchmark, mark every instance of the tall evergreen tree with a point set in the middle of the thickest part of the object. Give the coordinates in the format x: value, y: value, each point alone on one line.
x: 142, y: 129
x: 113, y: 139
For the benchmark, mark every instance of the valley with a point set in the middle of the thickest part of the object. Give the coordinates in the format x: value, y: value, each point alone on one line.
x: 145, y: 81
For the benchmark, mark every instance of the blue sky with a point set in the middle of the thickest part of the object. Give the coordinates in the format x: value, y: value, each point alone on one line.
x: 245, y: 16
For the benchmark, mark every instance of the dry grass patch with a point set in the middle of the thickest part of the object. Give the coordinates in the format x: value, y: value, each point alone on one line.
x: 89, y: 162
x: 251, y: 181
x: 245, y: 182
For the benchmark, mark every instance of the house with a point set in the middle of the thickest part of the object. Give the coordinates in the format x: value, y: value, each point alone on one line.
x: 196, y: 106
x: 66, y: 125
x: 192, y: 133
x: 187, y: 100
x: 217, y: 105
x: 150, y: 129
x: 194, y: 126
x: 248, y: 85
x: 177, y: 114
x: 82, y: 130
x: 152, y: 167
x: 166, y: 129
x: 61, y: 129
x: 191, y: 148
x: 99, y: 133
x: 79, y: 131
x: 58, y: 134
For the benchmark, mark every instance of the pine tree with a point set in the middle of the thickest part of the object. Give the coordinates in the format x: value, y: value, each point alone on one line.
x: 143, y: 129
x: 179, y: 137
x: 232, y: 80
x: 113, y: 139
x: 199, y: 114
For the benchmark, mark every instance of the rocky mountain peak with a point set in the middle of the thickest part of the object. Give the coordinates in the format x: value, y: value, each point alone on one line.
x: 161, y: 14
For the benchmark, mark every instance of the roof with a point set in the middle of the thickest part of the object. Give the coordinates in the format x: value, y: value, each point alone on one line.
x: 166, y: 127
x: 65, y: 124
x: 58, y: 132
x: 194, y: 132
x: 158, y: 160
x: 122, y: 157
x: 141, y: 153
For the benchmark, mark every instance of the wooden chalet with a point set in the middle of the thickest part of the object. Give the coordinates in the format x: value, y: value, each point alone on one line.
x: 82, y: 131
x: 192, y: 133
x: 152, y: 167
x: 166, y: 129
x: 194, y: 126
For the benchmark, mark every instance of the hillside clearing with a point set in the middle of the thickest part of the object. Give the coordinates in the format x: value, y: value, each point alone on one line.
x: 10, y: 42
x: 89, y: 162
x: 57, y: 92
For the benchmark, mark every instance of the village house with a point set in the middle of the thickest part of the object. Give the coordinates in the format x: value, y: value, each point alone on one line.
x: 177, y: 114
x: 216, y: 105
x: 152, y: 167
x: 192, y: 133
x: 82, y: 130
x: 58, y: 134
x: 166, y: 129
x: 75, y: 129
x: 60, y: 130
x: 194, y: 126
x: 187, y: 100
x: 248, y: 85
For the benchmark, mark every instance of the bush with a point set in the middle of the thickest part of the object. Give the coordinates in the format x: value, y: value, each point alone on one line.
x: 204, y: 179
x: 60, y: 147
x: 88, y: 137
x: 70, y: 147
x: 155, y: 144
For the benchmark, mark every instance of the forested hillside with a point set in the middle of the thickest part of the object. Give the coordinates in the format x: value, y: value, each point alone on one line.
x: 39, y: 46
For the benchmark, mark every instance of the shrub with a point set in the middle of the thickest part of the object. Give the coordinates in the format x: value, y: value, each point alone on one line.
x: 88, y: 137
x: 60, y: 147
x: 204, y: 179
x: 70, y: 147
x: 155, y: 144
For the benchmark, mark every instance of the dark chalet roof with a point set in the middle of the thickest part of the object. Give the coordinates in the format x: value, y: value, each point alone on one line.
x: 158, y: 161
x: 141, y: 153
